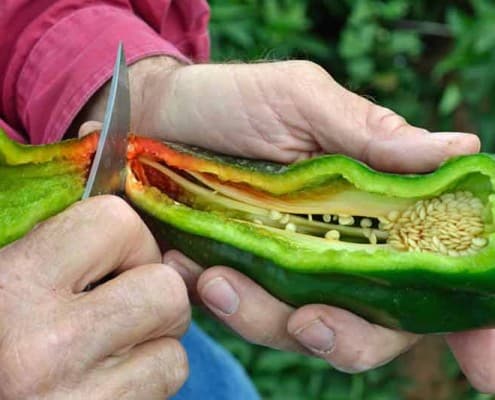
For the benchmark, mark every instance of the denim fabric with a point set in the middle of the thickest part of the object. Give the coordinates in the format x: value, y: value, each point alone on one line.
x: 214, y: 373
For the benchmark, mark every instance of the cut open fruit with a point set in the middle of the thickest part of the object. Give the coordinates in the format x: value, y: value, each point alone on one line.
x: 412, y: 252
x: 450, y: 221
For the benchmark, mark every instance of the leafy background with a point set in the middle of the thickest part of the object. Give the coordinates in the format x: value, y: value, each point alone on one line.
x: 431, y: 61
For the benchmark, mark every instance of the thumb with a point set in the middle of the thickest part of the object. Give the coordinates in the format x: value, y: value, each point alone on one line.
x: 392, y: 144
x: 89, y: 127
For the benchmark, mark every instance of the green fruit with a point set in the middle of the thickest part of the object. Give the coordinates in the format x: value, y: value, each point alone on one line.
x: 412, y: 252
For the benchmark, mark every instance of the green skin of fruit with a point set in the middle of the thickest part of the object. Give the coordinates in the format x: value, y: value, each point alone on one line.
x: 418, y: 292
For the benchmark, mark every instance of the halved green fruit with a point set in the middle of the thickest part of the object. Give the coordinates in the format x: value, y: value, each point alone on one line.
x: 413, y: 252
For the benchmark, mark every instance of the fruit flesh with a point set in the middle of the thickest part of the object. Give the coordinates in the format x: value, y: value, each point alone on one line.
x: 450, y: 224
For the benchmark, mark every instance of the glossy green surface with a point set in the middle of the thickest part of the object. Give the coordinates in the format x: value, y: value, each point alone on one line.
x: 415, y: 308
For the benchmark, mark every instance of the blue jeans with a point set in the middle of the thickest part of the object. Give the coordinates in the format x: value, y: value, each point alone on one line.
x: 213, y: 373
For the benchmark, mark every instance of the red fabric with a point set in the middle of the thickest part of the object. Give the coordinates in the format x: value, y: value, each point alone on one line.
x: 55, y: 54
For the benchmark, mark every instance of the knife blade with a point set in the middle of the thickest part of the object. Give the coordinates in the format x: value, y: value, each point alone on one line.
x: 107, y: 174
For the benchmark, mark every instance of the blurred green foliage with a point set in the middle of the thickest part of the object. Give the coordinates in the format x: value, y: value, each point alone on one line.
x: 432, y: 62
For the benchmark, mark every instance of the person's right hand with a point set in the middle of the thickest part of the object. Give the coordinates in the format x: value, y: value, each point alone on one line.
x: 117, y: 341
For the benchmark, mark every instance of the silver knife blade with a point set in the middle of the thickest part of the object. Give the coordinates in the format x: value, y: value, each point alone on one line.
x: 107, y: 174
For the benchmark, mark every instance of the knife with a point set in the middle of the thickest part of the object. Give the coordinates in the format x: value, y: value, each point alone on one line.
x: 107, y: 174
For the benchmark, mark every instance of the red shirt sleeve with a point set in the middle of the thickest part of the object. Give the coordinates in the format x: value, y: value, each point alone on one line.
x: 55, y: 54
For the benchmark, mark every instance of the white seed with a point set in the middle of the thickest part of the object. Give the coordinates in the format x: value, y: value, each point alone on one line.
x: 346, y: 220
x: 285, y: 218
x: 275, y: 215
x: 393, y: 215
x: 290, y: 227
x: 332, y: 235
x: 479, y: 241
x: 310, y: 217
x: 327, y: 218
x: 366, y: 223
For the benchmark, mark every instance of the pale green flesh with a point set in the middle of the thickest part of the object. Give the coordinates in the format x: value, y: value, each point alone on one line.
x: 32, y: 193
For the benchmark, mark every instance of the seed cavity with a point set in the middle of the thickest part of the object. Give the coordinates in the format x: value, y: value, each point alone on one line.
x: 451, y: 224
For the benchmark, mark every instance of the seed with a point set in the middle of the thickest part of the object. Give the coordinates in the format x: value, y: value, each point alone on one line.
x: 285, y: 218
x: 275, y: 215
x: 479, y: 241
x: 449, y: 223
x: 332, y: 235
x: 366, y: 223
x: 310, y: 217
x: 447, y: 196
x: 290, y: 227
x: 393, y: 215
x: 366, y: 232
x: 346, y: 220
x: 327, y: 218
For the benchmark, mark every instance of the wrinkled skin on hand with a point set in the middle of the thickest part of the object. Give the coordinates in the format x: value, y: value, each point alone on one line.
x: 286, y: 111
x: 118, y: 340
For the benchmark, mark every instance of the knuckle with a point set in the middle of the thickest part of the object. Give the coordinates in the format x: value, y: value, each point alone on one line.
x: 173, y: 360
x: 114, y: 210
x: 382, y: 121
x: 307, y: 68
x: 166, y: 298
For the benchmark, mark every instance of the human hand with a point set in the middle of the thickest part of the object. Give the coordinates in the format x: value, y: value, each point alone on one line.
x: 285, y: 112
x: 118, y: 340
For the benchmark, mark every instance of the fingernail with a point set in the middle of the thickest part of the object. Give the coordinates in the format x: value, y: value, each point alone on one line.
x: 220, y: 296
x: 317, y: 337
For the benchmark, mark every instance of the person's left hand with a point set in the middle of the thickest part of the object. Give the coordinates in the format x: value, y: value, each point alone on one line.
x: 283, y: 112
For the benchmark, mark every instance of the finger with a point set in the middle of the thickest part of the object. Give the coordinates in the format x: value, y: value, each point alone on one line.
x: 247, y: 308
x: 143, y: 303
x: 346, y: 341
x: 394, y: 145
x: 187, y: 269
x: 383, y: 139
x: 89, y: 127
x: 153, y: 370
x: 475, y: 352
x: 83, y: 244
